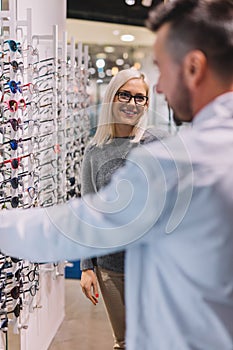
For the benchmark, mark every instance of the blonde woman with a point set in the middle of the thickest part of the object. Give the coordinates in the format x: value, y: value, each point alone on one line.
x: 121, y: 127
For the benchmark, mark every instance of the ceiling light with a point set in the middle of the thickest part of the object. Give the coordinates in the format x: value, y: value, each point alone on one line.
x: 109, y: 49
x: 137, y: 65
x: 130, y: 2
x: 101, y: 55
x: 92, y: 70
x: 127, y: 37
x: 116, y: 32
x: 100, y: 63
x: 120, y: 62
x: 101, y: 75
x: 115, y: 70
x: 109, y: 72
x: 146, y: 3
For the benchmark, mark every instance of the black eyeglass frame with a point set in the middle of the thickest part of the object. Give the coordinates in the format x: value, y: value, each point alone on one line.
x: 129, y: 98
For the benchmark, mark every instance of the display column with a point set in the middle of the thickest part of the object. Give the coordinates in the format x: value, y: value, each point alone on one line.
x: 46, y: 312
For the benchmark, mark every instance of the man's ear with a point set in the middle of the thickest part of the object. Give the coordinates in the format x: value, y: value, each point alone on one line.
x: 195, y: 64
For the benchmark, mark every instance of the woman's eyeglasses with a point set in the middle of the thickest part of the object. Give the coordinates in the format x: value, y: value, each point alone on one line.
x: 125, y: 97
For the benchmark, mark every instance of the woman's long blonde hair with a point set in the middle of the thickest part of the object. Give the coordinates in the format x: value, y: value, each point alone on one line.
x: 106, y: 128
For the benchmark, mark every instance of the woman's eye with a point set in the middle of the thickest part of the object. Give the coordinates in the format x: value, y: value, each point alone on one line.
x: 139, y: 98
x: 124, y: 94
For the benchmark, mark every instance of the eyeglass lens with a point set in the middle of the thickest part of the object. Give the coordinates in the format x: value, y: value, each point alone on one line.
x: 124, y: 96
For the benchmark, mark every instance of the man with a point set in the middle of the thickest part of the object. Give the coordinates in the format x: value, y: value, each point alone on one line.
x: 171, y: 205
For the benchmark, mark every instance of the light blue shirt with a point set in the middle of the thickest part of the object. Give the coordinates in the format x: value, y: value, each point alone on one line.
x: 171, y: 208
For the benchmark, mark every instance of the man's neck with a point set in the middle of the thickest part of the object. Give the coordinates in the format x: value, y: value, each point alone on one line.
x: 209, y: 91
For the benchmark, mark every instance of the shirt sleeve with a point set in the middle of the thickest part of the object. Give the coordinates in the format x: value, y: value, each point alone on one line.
x: 109, y: 221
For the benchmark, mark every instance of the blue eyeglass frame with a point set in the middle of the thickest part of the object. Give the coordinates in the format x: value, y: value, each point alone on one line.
x: 14, y: 86
x: 13, y: 45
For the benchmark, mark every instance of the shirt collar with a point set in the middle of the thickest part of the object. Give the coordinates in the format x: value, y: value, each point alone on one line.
x: 224, y: 101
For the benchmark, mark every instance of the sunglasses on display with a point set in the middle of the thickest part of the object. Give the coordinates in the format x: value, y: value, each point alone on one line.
x: 7, y: 298
x: 13, y: 45
x: 15, y: 124
x: 40, y: 71
x: 31, y: 191
x: 14, y: 292
x: 5, y: 265
x: 16, y: 181
x: 16, y: 275
x: 13, y: 105
x: 4, y: 325
x: 14, y: 86
x: 125, y: 97
x: 15, y: 201
x: 15, y: 143
x: 15, y: 311
x: 71, y: 193
x: 15, y: 162
x: 16, y: 66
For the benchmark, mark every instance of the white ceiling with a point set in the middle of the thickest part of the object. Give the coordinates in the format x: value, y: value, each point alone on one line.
x: 101, y: 33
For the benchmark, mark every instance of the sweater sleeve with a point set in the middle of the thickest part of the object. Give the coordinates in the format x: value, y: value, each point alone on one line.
x: 87, y: 186
x: 154, y: 134
x: 87, y: 182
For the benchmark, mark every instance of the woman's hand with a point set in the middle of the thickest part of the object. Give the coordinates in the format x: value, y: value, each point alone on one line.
x: 89, y: 285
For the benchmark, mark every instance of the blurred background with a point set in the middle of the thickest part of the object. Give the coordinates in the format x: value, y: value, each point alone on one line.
x: 117, y: 38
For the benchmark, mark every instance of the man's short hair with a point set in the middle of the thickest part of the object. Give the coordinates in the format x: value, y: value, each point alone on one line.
x: 205, y: 25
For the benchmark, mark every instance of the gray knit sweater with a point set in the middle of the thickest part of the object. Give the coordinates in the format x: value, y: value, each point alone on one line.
x: 98, y: 166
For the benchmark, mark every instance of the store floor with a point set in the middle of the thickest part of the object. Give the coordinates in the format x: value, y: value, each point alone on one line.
x: 85, y: 326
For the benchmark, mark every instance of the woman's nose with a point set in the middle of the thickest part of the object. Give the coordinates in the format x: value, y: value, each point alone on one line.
x: 132, y: 102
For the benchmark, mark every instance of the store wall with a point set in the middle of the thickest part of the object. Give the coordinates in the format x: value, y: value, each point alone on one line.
x: 45, y: 13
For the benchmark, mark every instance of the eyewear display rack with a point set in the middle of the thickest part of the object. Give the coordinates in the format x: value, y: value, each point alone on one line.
x: 44, y: 127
